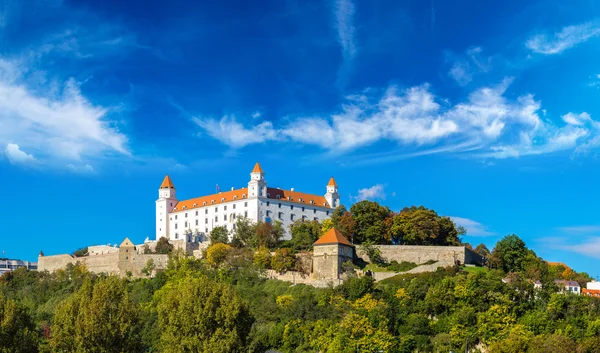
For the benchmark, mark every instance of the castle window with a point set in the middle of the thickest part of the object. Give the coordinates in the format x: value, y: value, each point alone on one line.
x: 243, y: 196
x: 195, y: 205
x: 175, y: 217
x: 315, y: 210
x: 316, y: 218
x: 291, y: 207
x: 176, y: 236
x: 126, y: 250
x: 312, y: 202
x: 303, y: 218
x: 246, y: 204
x: 278, y: 197
x: 204, y: 203
x: 126, y: 257
x: 216, y: 219
x: 233, y: 215
x: 268, y: 203
x: 205, y: 220
x: 185, y: 226
x: 268, y: 194
x: 206, y: 230
x: 279, y: 205
x: 280, y: 215
x: 212, y: 202
x: 302, y: 208
x: 235, y: 197
x: 289, y: 198
x: 196, y: 222
x: 206, y: 211
x: 224, y: 217
x: 175, y: 225
x: 222, y: 199
x: 268, y: 213
x: 291, y: 217
x: 300, y: 199
x: 234, y: 206
x: 186, y: 215
x: 196, y: 213
x: 184, y: 207
x: 245, y: 213
x: 225, y: 208
x: 328, y: 213
x: 216, y: 209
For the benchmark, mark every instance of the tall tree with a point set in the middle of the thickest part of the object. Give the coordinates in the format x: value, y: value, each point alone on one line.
x: 163, y: 246
x: 243, y: 233
x: 304, y: 234
x: 347, y: 225
x: 510, y: 252
x: 268, y: 234
x: 97, y: 318
x: 199, y: 315
x: 17, y: 329
x: 219, y: 235
x: 370, y: 222
x: 422, y: 226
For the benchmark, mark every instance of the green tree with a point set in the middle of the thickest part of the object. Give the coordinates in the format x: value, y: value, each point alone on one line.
x: 422, y: 226
x: 284, y: 260
x: 217, y: 254
x: 347, y: 226
x: 97, y: 318
x: 304, y: 234
x: 80, y: 252
x: 268, y: 234
x: 199, y: 315
x: 370, y: 222
x: 510, y: 252
x: 163, y: 246
x: 243, y: 233
x: 219, y: 235
x: 17, y: 329
x: 262, y: 258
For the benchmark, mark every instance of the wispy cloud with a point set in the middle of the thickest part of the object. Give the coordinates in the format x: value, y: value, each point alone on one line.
x: 375, y: 192
x: 566, y: 38
x: 344, y: 24
x: 486, y: 125
x: 16, y: 156
x: 581, y: 239
x: 583, y: 229
x: 81, y: 169
x: 473, y: 228
x: 234, y: 134
x: 472, y: 63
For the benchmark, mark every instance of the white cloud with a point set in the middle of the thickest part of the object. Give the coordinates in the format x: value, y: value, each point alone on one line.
x: 473, y: 228
x: 487, y: 125
x: 567, y: 38
x: 375, y: 192
x: 16, y: 156
x: 234, y: 134
x: 344, y: 24
x: 472, y: 63
x: 81, y: 169
x: 584, y: 229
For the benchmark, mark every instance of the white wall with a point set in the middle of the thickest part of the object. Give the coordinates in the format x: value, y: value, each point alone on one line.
x: 288, y: 209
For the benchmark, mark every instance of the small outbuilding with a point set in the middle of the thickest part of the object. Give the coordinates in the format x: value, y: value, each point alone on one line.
x: 329, y: 253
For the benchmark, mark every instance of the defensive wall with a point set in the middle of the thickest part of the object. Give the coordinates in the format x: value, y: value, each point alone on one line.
x: 443, y: 255
x: 104, y: 263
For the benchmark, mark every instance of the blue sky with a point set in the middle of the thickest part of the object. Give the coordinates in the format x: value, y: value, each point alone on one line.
x: 484, y: 111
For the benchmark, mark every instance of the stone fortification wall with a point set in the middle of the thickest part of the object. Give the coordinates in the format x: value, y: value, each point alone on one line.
x: 106, y: 263
x: 53, y: 263
x: 299, y: 278
x: 444, y: 255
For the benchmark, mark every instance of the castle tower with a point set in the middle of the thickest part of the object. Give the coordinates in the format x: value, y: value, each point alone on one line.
x: 329, y: 253
x: 167, y: 199
x: 332, y: 196
x: 257, y: 186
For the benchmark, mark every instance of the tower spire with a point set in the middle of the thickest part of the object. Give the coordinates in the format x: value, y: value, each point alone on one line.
x: 167, y: 183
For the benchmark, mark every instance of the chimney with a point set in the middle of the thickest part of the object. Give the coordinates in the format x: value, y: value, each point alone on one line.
x: 232, y: 188
x: 292, y: 189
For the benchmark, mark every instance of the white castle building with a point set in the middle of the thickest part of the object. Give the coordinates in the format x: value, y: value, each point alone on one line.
x: 188, y: 219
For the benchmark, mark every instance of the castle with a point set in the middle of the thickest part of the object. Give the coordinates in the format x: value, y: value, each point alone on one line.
x: 192, y: 220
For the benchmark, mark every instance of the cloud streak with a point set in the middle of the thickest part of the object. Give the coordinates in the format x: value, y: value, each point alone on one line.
x: 375, y: 192
x: 486, y: 125
x: 473, y: 228
x: 344, y: 24
x: 567, y: 38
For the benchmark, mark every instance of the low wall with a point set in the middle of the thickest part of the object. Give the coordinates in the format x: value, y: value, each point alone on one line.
x: 443, y: 255
x: 52, y: 263
x: 298, y: 278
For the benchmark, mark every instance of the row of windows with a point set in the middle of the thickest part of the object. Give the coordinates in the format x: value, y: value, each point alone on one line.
x: 292, y: 216
x: 216, y: 209
x: 205, y: 232
x: 231, y: 219
x: 292, y: 207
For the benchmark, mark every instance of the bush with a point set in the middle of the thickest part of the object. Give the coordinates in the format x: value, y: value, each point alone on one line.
x: 373, y: 253
x: 401, y: 267
x: 80, y: 252
x: 216, y: 254
x: 163, y: 246
x: 263, y: 258
x: 284, y: 260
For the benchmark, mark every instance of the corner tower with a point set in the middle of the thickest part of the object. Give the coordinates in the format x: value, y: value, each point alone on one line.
x: 332, y: 196
x: 257, y: 186
x: 167, y: 199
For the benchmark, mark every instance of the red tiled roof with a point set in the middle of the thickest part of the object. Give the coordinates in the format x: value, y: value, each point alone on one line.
x: 332, y: 182
x: 257, y: 168
x: 297, y: 197
x: 333, y: 236
x: 167, y: 183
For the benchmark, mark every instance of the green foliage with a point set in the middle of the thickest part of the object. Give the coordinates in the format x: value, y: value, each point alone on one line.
x: 267, y: 234
x: 80, y: 252
x: 370, y: 220
x: 284, y: 260
x: 219, y: 235
x: 199, y: 315
x: 163, y: 246
x: 304, y: 234
x: 244, y: 232
x: 99, y: 317
x: 216, y: 254
x: 149, y: 268
x: 373, y: 252
x: 510, y: 252
x: 422, y: 226
x: 262, y: 258
x: 17, y: 329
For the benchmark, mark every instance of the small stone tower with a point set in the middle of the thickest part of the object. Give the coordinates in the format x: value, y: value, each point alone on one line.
x: 257, y: 186
x: 332, y: 196
x: 329, y: 253
x: 167, y: 200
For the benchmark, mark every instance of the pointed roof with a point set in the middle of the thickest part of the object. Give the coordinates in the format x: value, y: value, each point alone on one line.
x: 332, y: 182
x: 257, y: 168
x: 333, y: 236
x: 126, y: 242
x: 167, y: 183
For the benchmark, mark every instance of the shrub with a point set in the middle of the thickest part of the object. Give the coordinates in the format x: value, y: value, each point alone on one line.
x: 163, y: 246
x: 80, y: 252
x: 401, y: 267
x: 373, y: 253
x: 284, y: 260
x: 263, y: 258
x: 216, y: 254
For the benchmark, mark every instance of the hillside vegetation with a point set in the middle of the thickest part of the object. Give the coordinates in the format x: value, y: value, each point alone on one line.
x: 223, y: 304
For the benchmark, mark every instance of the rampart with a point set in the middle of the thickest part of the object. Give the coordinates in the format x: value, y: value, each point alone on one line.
x: 105, y: 263
x: 443, y: 255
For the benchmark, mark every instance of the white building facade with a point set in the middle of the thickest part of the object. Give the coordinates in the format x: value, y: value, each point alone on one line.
x: 194, y: 219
